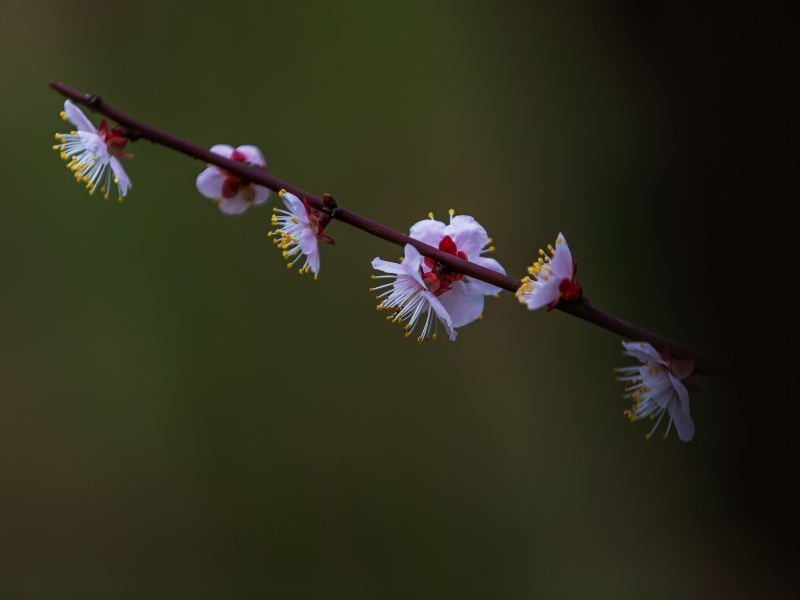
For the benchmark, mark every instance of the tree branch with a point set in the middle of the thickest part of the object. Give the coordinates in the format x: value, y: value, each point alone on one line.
x: 582, y: 309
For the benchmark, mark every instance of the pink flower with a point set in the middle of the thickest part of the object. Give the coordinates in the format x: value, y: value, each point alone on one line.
x: 656, y: 388
x: 455, y: 299
x: 551, y: 278
x: 408, y: 297
x: 298, y: 231
x: 93, y: 154
x: 232, y: 194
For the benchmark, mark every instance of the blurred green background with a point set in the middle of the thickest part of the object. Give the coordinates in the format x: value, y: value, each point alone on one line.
x: 182, y: 417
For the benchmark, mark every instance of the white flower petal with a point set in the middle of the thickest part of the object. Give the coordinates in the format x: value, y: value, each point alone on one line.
x: 656, y: 380
x: 561, y: 262
x: 428, y: 231
x: 643, y: 352
x: 252, y: 155
x: 681, y: 391
x: 443, y: 315
x: 679, y: 411
x: 313, y: 261
x: 308, y: 242
x: 412, y: 261
x: 123, y: 181
x: 94, y: 144
x: 487, y: 289
x: 463, y: 304
x: 392, y: 268
x: 209, y: 182
x: 77, y: 118
x: 222, y: 149
x: 468, y: 234
x: 295, y: 206
x: 233, y: 206
x: 544, y: 293
x: 260, y: 194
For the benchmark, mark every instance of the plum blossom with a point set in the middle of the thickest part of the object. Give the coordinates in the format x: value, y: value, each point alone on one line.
x: 462, y: 236
x: 229, y: 191
x: 409, y: 298
x: 93, y: 154
x: 656, y: 388
x: 299, y: 229
x: 551, y: 278
x: 452, y: 297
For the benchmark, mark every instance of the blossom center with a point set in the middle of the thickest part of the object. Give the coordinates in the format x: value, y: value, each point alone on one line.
x: 233, y: 184
x: 439, y: 279
x: 569, y: 289
x: 318, y: 220
x: 115, y: 139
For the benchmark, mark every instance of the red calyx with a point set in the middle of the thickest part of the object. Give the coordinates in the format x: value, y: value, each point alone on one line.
x: 319, y: 221
x: 233, y: 184
x: 115, y: 140
x: 448, y: 245
x: 680, y: 368
x: 569, y: 289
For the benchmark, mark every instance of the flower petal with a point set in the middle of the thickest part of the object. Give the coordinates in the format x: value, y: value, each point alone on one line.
x: 222, y: 149
x: 680, y: 389
x: 123, y: 181
x: 392, y: 268
x: 561, y: 262
x: 643, y: 352
x: 655, y: 379
x: 543, y: 294
x: 313, y: 261
x: 260, y: 194
x: 463, y: 304
x: 295, y: 206
x: 468, y: 234
x: 253, y: 155
x: 308, y: 242
x: 487, y: 289
x: 679, y: 411
x: 233, y: 206
x: 209, y: 182
x: 428, y: 231
x: 95, y: 144
x: 77, y: 118
x: 412, y: 260
x: 443, y: 315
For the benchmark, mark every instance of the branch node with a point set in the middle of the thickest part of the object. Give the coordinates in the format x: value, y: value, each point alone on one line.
x: 132, y: 134
x: 329, y: 205
x: 93, y: 101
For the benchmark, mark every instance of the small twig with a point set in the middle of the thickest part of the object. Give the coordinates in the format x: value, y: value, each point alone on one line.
x: 582, y: 309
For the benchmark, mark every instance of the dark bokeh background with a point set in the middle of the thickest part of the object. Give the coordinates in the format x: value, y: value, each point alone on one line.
x: 182, y: 417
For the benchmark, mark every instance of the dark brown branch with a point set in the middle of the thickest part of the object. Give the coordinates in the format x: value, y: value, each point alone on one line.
x: 582, y: 309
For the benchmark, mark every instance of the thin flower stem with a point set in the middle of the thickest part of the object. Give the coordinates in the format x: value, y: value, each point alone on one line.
x: 582, y: 309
